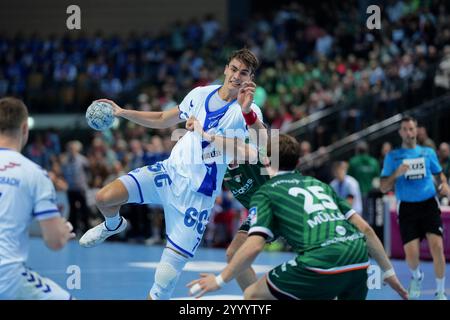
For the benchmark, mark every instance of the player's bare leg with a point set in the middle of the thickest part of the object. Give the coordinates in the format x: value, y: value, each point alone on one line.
x: 111, y: 197
x: 248, y: 276
x: 436, y: 246
x: 109, y: 200
x: 412, y: 252
x: 259, y: 291
x: 167, y: 274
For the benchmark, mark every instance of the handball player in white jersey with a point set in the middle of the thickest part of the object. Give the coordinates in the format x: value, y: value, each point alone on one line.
x: 188, y: 182
x: 26, y: 192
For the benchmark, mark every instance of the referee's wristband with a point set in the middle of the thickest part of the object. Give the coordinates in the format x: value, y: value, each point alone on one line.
x: 388, y: 273
x: 219, y: 281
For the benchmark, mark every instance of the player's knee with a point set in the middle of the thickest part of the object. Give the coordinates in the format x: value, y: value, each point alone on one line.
x: 167, y: 274
x: 437, y: 246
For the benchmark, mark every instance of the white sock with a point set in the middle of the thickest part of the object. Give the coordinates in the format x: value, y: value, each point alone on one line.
x: 113, y: 222
x: 440, y: 284
x: 417, y: 274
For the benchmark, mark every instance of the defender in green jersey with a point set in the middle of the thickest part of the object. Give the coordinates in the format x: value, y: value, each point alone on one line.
x: 243, y: 180
x: 332, y: 242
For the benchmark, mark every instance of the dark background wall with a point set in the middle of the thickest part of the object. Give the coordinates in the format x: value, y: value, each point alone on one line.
x: 110, y: 16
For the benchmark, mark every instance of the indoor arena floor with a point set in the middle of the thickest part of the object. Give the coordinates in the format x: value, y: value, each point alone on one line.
x: 116, y: 270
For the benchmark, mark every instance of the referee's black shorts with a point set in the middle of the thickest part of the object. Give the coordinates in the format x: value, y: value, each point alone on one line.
x: 416, y: 219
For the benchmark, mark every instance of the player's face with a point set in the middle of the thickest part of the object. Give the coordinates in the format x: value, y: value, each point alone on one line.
x: 236, y: 72
x: 408, y: 132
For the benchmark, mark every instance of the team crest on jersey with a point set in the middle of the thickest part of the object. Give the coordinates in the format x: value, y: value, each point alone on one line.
x: 237, y: 178
x: 340, y: 230
x: 252, y: 215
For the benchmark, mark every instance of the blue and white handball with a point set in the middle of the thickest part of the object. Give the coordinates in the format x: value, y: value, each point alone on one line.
x: 100, y: 115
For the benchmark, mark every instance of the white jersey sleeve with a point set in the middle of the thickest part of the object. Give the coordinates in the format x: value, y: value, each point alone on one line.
x: 44, y: 195
x: 188, y: 107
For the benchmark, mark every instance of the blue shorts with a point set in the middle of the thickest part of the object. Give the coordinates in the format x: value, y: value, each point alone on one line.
x: 186, y: 212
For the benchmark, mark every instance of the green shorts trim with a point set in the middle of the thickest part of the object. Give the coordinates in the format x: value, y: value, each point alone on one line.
x: 291, y: 281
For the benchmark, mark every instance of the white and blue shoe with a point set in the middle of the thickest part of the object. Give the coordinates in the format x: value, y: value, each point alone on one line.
x: 100, y: 233
x: 415, y: 287
x: 440, y: 296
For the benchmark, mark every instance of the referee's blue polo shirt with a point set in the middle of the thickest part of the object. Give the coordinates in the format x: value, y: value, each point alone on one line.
x: 416, y: 184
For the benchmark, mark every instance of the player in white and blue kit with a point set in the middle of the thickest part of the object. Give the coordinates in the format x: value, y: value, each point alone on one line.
x: 188, y: 182
x: 26, y: 192
x: 411, y: 169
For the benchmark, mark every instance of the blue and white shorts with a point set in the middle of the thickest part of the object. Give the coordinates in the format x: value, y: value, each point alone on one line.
x: 186, y: 211
x: 19, y: 282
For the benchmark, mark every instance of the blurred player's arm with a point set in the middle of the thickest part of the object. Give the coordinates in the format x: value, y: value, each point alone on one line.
x: 376, y: 251
x: 149, y: 119
x: 387, y: 183
x: 234, y: 147
x: 443, y: 185
x: 56, y: 232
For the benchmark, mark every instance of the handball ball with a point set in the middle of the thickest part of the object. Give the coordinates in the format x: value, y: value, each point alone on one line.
x: 100, y: 115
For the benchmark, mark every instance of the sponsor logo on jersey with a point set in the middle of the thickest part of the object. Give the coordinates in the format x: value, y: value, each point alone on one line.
x: 248, y: 185
x: 10, y: 165
x: 10, y: 181
x: 341, y: 230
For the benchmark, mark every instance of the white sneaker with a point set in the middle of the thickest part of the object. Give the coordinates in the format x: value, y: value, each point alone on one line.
x: 440, y: 296
x: 415, y: 286
x: 100, y: 233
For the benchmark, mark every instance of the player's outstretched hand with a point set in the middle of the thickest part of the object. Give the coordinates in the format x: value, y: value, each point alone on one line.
x: 207, y: 283
x: 245, y: 95
x: 395, y: 284
x: 117, y: 110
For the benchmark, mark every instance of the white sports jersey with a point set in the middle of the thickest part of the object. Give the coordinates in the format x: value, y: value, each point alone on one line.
x: 26, y: 192
x: 198, y: 160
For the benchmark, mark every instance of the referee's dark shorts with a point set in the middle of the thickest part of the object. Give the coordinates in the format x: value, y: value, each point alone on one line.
x: 416, y: 219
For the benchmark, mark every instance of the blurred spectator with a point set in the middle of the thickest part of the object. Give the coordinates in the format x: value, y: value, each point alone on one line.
x: 37, y: 152
x: 365, y: 169
x: 444, y: 158
x: 423, y: 139
x: 74, y: 167
x: 346, y: 186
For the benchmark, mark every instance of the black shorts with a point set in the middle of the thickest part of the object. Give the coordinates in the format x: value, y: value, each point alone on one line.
x: 416, y: 219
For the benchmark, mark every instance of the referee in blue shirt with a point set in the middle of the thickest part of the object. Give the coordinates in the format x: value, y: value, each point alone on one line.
x: 410, y: 171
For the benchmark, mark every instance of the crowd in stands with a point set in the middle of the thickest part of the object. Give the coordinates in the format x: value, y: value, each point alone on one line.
x: 311, y: 59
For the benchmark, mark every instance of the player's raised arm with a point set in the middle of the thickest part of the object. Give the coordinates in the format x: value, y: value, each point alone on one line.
x: 149, y: 119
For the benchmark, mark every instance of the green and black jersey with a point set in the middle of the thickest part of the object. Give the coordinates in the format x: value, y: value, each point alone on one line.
x: 243, y: 181
x: 312, y: 219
